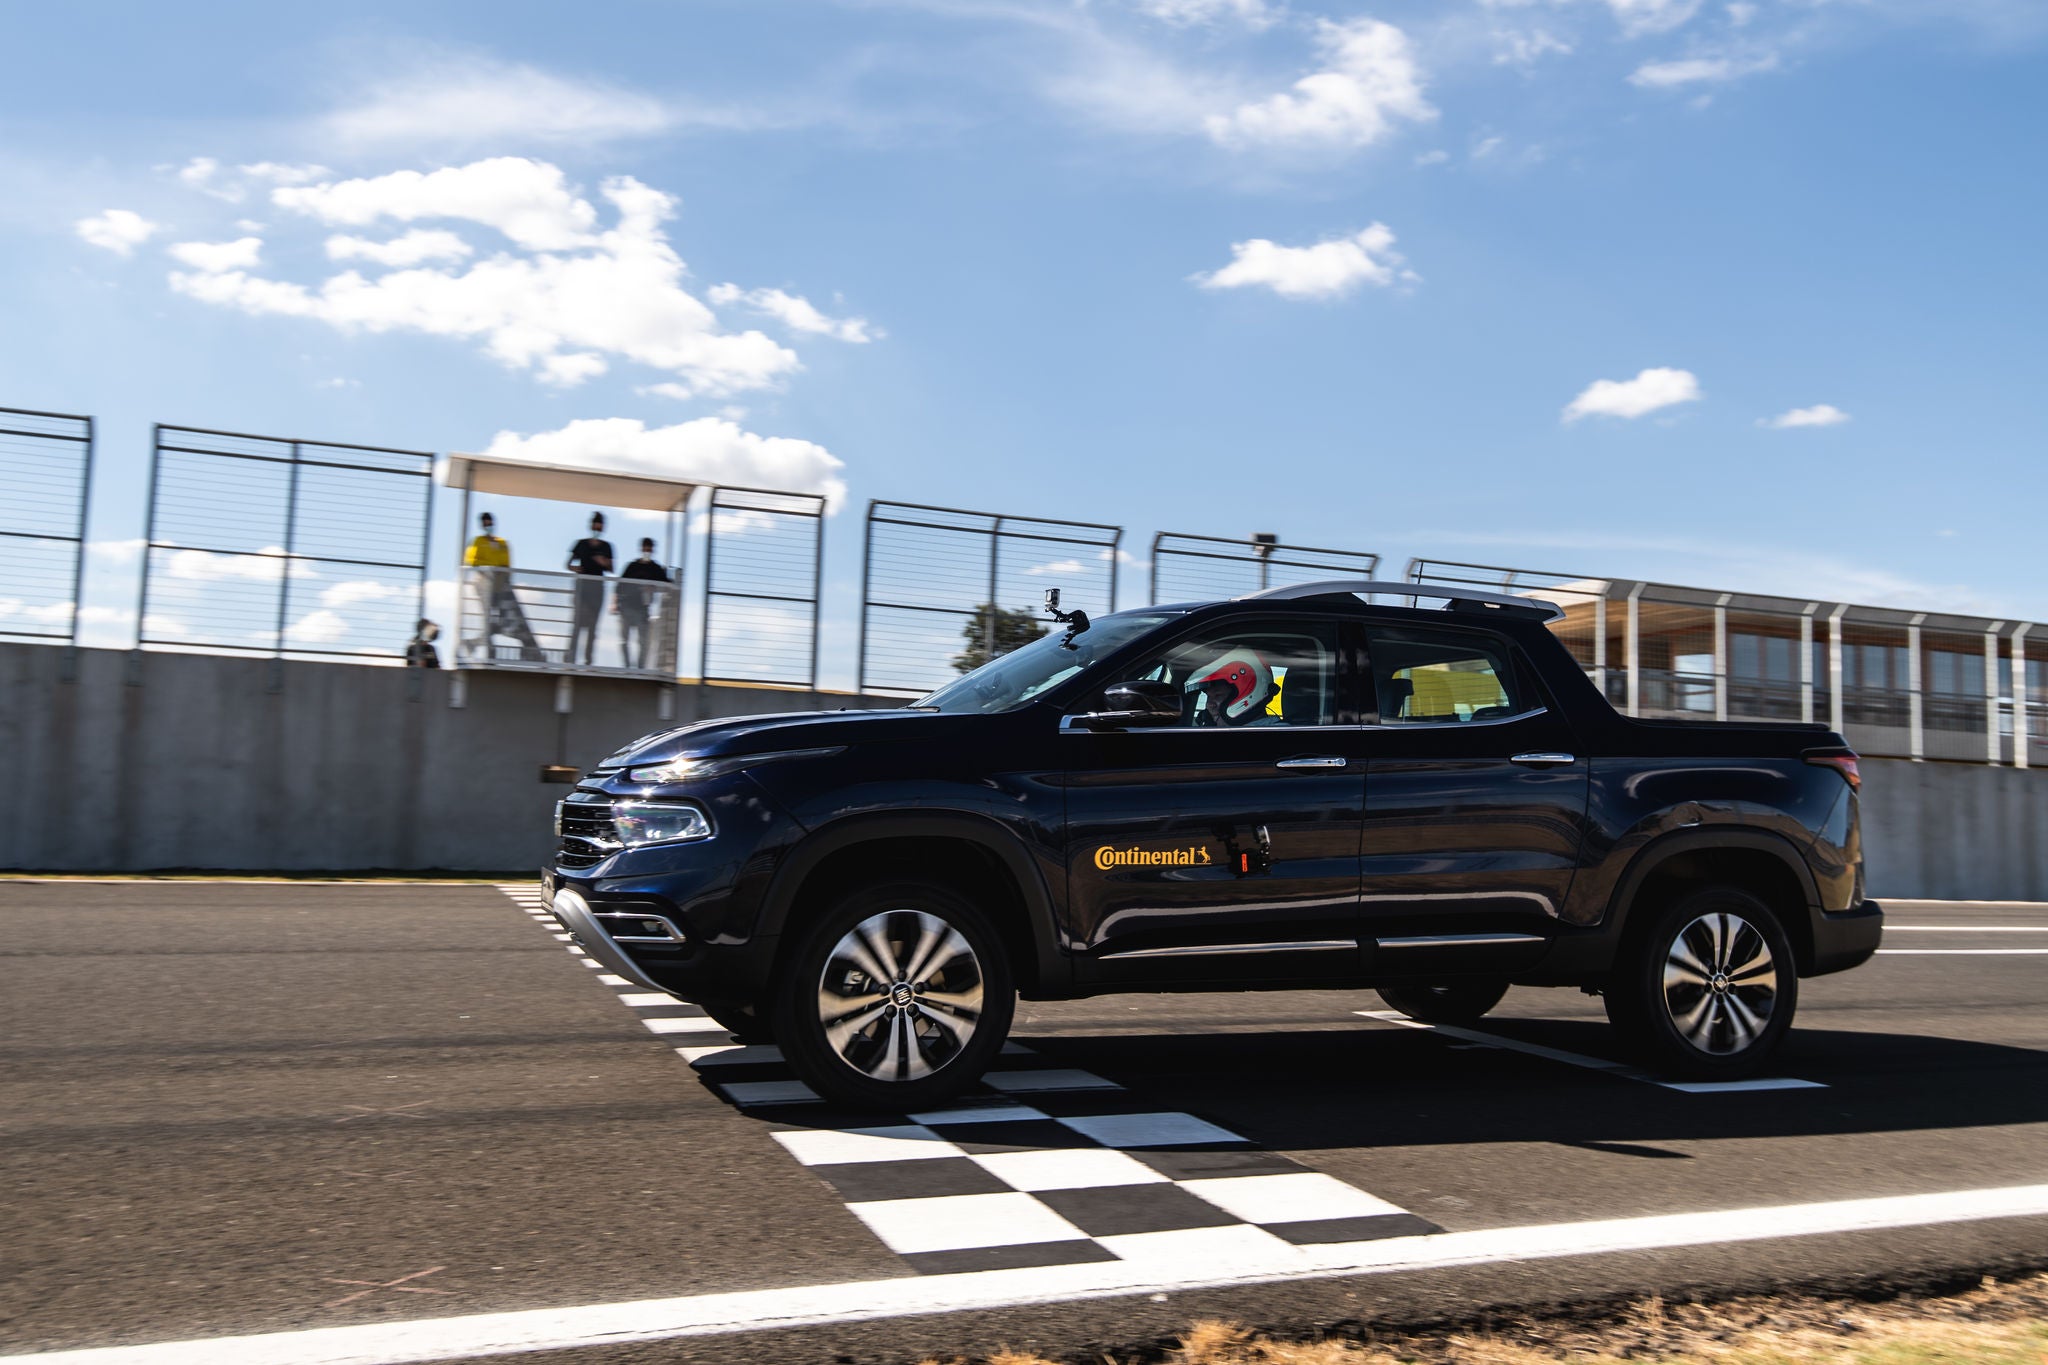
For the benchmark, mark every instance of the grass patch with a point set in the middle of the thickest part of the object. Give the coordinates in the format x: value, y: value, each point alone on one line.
x: 1993, y: 1324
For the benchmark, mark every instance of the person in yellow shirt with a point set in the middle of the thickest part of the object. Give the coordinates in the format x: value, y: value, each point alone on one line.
x: 503, y: 615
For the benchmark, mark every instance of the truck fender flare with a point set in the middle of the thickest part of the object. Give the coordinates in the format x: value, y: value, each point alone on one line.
x: 1054, y: 968
x: 1670, y: 845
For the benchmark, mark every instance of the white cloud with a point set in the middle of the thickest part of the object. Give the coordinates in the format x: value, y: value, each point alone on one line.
x: 1819, y: 415
x: 576, y: 300
x: 1640, y: 17
x: 216, y: 258
x: 473, y: 101
x: 1326, y: 270
x: 281, y: 173
x: 1256, y: 14
x: 264, y: 566
x: 792, y: 311
x: 362, y: 590
x: 709, y: 450
x: 411, y: 248
x: 1526, y: 49
x: 1369, y: 80
x: 201, y: 172
x: 1698, y: 70
x: 1740, y: 12
x: 529, y: 201
x: 118, y: 230
x: 1063, y: 567
x: 320, y: 627
x: 1646, y: 393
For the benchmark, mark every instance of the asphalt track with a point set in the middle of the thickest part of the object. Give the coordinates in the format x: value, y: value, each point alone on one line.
x: 401, y: 1122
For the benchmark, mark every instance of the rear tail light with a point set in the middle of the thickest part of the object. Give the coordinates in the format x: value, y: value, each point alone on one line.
x: 1841, y: 760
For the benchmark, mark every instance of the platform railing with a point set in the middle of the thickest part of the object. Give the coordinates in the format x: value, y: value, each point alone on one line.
x: 540, y: 620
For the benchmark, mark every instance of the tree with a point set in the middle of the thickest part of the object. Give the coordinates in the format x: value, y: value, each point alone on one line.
x: 1010, y: 630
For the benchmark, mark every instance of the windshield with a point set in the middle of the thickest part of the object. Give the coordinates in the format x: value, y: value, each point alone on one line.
x: 1009, y: 682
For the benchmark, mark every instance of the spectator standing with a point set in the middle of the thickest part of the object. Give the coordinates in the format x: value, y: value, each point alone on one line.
x: 491, y: 558
x: 591, y: 559
x: 632, y: 601
x: 419, y: 650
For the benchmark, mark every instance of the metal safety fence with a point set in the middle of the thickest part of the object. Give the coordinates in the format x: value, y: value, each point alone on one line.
x: 1188, y: 568
x: 1892, y: 682
x: 764, y: 566
x: 45, y: 477
x: 271, y: 545
x: 944, y: 589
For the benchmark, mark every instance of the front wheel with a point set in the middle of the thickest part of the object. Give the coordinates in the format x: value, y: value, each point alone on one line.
x: 1708, y: 992
x: 897, y: 998
x: 1453, y: 1002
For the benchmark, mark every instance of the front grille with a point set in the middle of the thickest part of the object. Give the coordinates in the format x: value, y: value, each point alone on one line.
x: 588, y: 835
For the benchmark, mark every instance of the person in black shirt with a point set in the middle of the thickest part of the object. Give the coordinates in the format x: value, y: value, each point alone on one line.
x: 592, y: 558
x: 632, y: 603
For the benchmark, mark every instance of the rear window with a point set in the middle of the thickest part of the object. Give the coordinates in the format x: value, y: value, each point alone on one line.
x: 1438, y: 677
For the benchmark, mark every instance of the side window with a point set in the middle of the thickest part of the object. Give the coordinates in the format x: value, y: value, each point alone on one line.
x: 1434, y: 677
x: 1235, y: 676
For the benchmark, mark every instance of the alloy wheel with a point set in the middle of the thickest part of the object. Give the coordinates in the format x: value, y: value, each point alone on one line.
x: 1720, y: 983
x: 900, y: 995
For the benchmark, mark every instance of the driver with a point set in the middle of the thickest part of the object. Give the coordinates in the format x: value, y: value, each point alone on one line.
x: 1233, y: 689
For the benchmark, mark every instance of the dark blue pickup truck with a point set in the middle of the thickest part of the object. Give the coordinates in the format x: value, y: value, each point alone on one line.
x: 1308, y: 787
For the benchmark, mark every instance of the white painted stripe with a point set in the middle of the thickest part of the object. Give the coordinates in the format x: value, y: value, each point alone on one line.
x: 696, y: 1025
x: 1962, y: 952
x: 611, y: 1324
x: 1580, y: 1059
x: 610, y: 980
x: 1021, y: 1082
x: 1966, y: 928
x: 648, y: 999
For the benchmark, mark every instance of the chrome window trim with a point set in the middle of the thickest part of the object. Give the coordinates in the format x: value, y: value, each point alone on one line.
x: 1458, y: 940
x: 1067, y: 727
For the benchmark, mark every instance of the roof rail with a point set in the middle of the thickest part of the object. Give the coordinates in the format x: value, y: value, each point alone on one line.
x: 1455, y: 599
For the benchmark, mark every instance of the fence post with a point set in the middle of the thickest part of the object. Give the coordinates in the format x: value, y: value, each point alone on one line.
x: 1721, y: 657
x: 1806, y: 662
x: 156, y: 459
x: 1991, y: 746
x: 867, y: 562
x: 1600, y: 642
x: 1152, y: 573
x: 1916, y: 738
x: 2020, y: 739
x: 817, y: 593
x: 1835, y: 670
x: 284, y: 574
x: 988, y: 622
x: 1632, y: 646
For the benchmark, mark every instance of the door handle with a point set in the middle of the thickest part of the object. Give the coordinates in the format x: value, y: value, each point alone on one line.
x: 1310, y: 763
x: 1543, y: 760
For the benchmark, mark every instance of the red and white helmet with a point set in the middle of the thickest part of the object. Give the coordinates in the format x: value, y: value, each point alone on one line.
x: 1241, y: 683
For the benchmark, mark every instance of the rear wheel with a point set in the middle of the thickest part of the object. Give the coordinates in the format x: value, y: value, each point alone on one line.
x: 1450, y: 1002
x: 1709, y: 991
x: 896, y: 998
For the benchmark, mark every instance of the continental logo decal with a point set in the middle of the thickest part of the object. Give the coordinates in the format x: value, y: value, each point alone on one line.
x: 1107, y: 857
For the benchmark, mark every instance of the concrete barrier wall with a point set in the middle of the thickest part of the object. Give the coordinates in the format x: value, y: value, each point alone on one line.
x: 145, y: 762
x: 1955, y: 831
x: 158, y: 761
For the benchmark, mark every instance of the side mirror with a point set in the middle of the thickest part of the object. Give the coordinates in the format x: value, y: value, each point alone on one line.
x: 1134, y: 705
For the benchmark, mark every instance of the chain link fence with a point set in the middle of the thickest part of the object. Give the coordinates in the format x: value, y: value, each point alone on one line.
x: 45, y: 477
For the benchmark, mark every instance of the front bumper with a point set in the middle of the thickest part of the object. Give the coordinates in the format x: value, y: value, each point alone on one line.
x: 1846, y: 938
x: 574, y: 912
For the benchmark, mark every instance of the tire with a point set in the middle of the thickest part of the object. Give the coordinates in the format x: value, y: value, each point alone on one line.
x: 911, y: 1041
x: 746, y: 1023
x: 1708, y: 991
x: 1449, y: 1002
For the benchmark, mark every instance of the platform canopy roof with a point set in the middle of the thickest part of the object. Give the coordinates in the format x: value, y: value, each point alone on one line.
x: 567, y: 483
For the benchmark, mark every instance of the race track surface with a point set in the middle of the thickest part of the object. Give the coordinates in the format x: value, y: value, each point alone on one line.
x: 231, y: 1109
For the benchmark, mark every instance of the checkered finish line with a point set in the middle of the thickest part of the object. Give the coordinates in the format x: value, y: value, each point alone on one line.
x: 1044, y: 1165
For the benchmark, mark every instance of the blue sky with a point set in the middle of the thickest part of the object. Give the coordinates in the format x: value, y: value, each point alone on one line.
x: 1522, y: 282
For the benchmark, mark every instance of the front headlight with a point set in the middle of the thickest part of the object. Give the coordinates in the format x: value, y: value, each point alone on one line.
x: 659, y: 822
x: 674, y: 770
